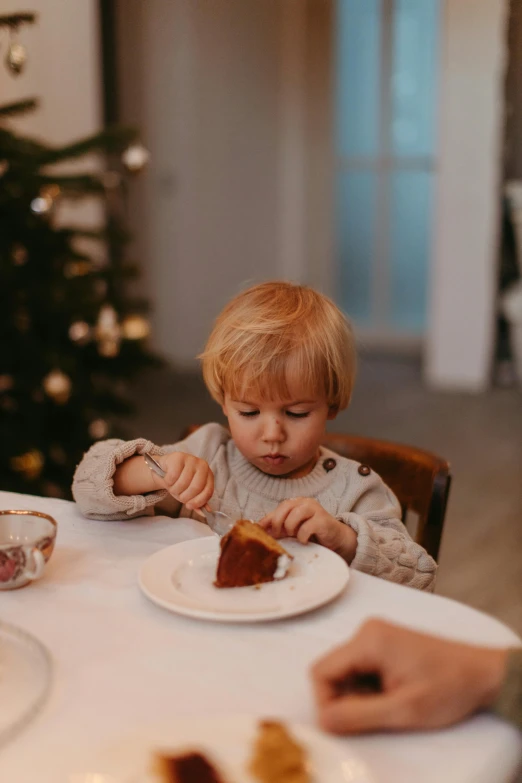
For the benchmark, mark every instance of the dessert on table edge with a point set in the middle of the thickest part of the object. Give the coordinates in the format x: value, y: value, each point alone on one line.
x: 250, y: 556
x: 190, y: 767
x: 276, y: 758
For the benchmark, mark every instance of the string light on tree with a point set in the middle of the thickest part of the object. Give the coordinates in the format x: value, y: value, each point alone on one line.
x: 44, y: 202
x: 57, y: 385
x: 80, y: 332
x: 135, y: 158
x: 135, y: 327
x: 108, y: 332
x: 30, y: 464
x: 98, y: 429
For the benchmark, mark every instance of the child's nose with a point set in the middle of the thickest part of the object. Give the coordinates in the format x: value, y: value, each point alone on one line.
x: 273, y: 431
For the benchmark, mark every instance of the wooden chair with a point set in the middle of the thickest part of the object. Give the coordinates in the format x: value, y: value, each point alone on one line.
x: 420, y: 480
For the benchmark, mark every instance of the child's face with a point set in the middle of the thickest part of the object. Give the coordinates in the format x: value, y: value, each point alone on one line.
x: 280, y: 437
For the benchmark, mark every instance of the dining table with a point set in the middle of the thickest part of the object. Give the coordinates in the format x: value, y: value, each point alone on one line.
x: 121, y: 663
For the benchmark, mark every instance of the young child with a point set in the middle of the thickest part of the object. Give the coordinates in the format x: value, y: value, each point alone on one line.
x: 281, y: 363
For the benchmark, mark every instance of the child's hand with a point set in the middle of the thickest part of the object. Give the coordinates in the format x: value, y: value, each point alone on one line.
x: 304, y: 519
x: 188, y: 478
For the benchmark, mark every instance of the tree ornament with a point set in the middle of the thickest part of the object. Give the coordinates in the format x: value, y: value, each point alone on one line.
x: 135, y: 327
x: 108, y: 332
x: 57, y: 385
x: 4, y: 167
x: 77, y: 269
x: 16, y: 57
x: 19, y: 254
x: 80, y: 332
x: 111, y: 180
x: 135, y: 158
x: 29, y: 464
x: 44, y: 202
x: 98, y: 429
x: 22, y: 320
x: 8, y: 404
x: 6, y: 383
x: 57, y: 454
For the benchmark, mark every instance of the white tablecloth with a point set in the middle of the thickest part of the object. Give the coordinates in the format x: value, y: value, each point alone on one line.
x: 120, y: 661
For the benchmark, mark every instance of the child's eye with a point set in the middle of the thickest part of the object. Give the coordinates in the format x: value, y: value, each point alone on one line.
x: 294, y: 415
x: 248, y: 413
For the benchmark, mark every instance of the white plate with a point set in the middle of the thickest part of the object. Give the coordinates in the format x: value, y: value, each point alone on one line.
x: 227, y: 741
x: 25, y: 678
x: 181, y: 579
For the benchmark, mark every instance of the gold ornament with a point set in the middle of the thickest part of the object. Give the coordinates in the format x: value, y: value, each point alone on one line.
x: 135, y: 327
x: 77, y: 269
x: 30, y: 463
x: 16, y: 57
x: 135, y: 158
x: 108, y: 332
x: 57, y: 385
x: 52, y: 490
x: 98, y: 429
x: 80, y: 332
x: 93, y: 249
x: 57, y: 454
x: 111, y: 180
x: 6, y: 383
x: 8, y: 403
x: 19, y: 254
x: 4, y: 167
x: 100, y: 288
x: 22, y: 320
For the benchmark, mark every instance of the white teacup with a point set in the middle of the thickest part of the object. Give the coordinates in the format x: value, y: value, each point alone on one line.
x: 26, y: 544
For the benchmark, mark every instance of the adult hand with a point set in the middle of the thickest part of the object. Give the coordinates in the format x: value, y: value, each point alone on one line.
x: 424, y: 682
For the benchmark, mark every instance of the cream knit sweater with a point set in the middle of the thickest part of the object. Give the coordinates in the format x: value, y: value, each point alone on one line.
x: 364, y: 502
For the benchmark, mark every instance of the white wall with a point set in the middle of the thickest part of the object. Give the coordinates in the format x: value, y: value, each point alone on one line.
x: 233, y: 98
x: 62, y: 71
x: 208, y: 95
x: 466, y: 222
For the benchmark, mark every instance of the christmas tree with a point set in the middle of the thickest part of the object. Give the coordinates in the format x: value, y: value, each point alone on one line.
x: 70, y: 336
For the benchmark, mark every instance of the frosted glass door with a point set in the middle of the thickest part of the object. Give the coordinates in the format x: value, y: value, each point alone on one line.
x: 386, y: 77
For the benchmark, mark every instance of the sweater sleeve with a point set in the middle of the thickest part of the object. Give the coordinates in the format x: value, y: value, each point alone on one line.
x: 93, y: 480
x: 509, y: 701
x: 384, y: 546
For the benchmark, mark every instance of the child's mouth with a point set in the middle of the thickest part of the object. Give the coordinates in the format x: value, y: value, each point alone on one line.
x: 273, y: 459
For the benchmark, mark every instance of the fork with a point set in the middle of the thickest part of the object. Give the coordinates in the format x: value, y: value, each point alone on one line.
x: 220, y: 526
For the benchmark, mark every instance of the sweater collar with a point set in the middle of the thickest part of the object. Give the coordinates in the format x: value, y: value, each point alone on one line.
x: 276, y: 488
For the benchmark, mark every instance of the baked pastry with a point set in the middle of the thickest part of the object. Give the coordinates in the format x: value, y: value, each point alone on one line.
x: 191, y: 767
x: 277, y: 757
x: 249, y: 556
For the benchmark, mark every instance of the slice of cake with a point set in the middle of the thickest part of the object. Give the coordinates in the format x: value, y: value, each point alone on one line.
x: 191, y: 767
x: 277, y: 757
x: 250, y: 556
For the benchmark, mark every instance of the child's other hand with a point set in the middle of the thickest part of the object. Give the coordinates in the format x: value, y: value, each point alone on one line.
x: 304, y: 519
x: 188, y: 479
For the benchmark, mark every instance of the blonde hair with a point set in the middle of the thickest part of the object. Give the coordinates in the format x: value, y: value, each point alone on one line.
x: 274, y: 331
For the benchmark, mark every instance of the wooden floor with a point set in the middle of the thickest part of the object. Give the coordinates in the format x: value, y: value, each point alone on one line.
x: 481, y: 555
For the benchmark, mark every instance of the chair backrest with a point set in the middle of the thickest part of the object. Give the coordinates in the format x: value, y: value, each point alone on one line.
x: 420, y: 480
